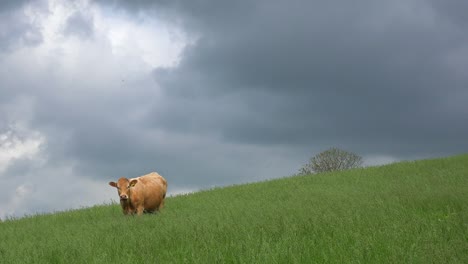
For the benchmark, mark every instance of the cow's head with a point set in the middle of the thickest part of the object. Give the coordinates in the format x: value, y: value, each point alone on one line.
x: 123, y: 186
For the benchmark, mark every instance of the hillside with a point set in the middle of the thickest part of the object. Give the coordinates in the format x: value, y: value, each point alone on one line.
x: 408, y: 212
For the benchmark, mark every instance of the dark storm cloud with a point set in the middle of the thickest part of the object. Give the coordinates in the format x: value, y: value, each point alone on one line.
x: 8, y: 5
x: 263, y: 86
x: 373, y: 76
x: 370, y: 76
x: 453, y: 11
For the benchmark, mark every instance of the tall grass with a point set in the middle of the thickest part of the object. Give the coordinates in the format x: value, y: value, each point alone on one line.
x: 410, y: 212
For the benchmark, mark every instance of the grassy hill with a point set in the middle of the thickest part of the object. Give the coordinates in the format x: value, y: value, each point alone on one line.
x: 409, y: 212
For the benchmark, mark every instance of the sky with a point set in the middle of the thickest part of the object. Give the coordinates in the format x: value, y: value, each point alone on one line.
x: 215, y: 93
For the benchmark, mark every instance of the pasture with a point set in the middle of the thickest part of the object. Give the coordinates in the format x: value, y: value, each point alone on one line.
x: 408, y: 212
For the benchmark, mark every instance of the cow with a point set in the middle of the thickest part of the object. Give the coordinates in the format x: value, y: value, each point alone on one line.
x: 144, y: 194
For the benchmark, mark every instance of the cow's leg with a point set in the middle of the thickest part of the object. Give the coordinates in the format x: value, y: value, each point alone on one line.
x: 140, y: 210
x: 126, y: 209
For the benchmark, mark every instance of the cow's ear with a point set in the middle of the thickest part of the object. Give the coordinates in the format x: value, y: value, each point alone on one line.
x: 113, y: 184
x: 132, y: 183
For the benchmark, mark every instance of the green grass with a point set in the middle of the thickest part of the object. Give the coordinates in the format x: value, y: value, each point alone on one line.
x: 409, y: 212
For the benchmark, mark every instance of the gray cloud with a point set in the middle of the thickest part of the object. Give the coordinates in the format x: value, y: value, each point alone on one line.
x: 263, y: 87
x: 16, y: 27
x: 80, y: 25
x: 8, y: 5
x: 452, y: 11
x: 374, y: 77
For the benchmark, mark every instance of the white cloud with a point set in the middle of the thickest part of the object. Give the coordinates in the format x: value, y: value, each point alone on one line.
x: 18, y: 143
x: 9, y: 207
x: 54, y: 189
x: 120, y: 47
x: 156, y: 43
x: 71, y: 71
x: 13, y: 147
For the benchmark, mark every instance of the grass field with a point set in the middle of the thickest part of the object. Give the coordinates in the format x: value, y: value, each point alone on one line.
x: 409, y: 212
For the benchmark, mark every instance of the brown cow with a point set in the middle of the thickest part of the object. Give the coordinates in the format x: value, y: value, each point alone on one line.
x: 142, y: 194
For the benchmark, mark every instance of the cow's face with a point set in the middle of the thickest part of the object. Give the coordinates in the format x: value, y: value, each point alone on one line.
x: 123, y: 186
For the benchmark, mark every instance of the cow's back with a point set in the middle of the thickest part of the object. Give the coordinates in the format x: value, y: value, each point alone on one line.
x: 152, y: 189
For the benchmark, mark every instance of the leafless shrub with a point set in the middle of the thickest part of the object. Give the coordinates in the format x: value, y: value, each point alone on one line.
x: 333, y: 159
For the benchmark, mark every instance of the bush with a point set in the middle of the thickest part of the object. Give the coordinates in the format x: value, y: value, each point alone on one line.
x: 333, y: 159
